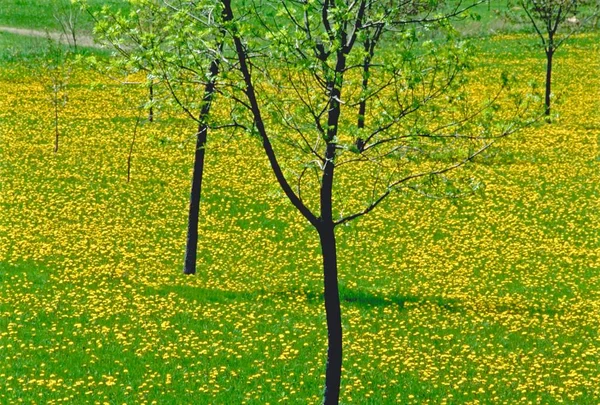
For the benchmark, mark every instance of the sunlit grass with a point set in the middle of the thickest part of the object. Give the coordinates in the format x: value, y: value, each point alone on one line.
x: 491, y: 298
x: 41, y: 14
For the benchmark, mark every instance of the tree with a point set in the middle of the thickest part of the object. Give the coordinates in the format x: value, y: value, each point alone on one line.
x: 356, y: 88
x: 346, y: 88
x: 131, y: 145
x: 67, y: 16
x: 547, y: 17
x: 57, y: 72
x: 133, y: 37
x: 175, y: 45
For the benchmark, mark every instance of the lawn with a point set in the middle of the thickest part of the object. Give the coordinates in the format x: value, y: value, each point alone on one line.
x: 42, y: 14
x: 489, y: 298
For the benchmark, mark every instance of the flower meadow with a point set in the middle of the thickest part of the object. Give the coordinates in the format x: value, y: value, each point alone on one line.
x: 493, y: 297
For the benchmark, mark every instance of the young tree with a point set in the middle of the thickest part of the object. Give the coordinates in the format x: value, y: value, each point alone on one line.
x: 354, y: 89
x: 67, y: 15
x: 57, y: 72
x: 177, y: 46
x: 547, y: 17
x: 133, y: 37
x: 131, y: 145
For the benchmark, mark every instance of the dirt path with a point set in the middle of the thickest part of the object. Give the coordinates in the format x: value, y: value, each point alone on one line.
x: 82, y: 40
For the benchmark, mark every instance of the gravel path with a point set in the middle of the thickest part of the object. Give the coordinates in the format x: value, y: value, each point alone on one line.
x: 82, y: 40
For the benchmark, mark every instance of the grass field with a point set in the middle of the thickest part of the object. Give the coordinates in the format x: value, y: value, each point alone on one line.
x: 490, y: 298
x: 41, y: 14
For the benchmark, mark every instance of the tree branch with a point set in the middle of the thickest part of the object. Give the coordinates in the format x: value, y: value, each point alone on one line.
x: 395, y: 185
x: 258, y: 121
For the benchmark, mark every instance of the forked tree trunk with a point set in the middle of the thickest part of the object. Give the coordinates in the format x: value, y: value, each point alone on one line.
x: 333, y: 370
x: 324, y: 225
x: 549, y: 55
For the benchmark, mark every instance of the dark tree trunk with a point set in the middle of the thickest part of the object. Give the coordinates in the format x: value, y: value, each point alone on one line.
x: 324, y: 224
x: 333, y: 371
x: 362, y: 108
x: 326, y: 228
x: 549, y: 55
x: 191, y: 249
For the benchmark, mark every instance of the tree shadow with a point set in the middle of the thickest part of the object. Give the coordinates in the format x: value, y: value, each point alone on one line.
x: 351, y: 297
x: 366, y: 299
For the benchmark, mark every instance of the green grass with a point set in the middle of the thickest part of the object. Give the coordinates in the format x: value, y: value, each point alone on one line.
x: 40, y: 14
x: 492, y: 298
x: 15, y: 48
x: 30, y: 50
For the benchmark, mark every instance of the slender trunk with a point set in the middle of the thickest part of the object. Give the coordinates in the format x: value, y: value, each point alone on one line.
x: 333, y: 370
x: 74, y: 39
x: 362, y: 108
x: 137, y: 122
x: 549, y: 55
x: 56, y: 132
x: 324, y: 225
x: 191, y: 249
x: 255, y: 108
x: 151, y: 96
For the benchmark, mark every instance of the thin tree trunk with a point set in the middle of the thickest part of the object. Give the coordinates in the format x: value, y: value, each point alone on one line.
x: 137, y: 122
x: 324, y: 224
x: 191, y: 249
x: 333, y: 370
x: 74, y: 38
x: 549, y: 55
x: 56, y: 132
x: 151, y: 96
x: 362, y: 108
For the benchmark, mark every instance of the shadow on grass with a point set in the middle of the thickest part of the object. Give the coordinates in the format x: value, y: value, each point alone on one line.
x: 24, y: 270
x: 193, y: 293
x: 366, y: 299
x: 363, y: 298
x: 352, y: 297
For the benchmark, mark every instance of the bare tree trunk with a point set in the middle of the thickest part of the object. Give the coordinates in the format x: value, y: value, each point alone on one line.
x: 333, y: 370
x: 549, y: 55
x: 56, y: 132
x: 151, y: 97
x: 74, y: 39
x: 191, y: 248
x: 326, y: 229
x: 137, y: 122
x: 362, y: 108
